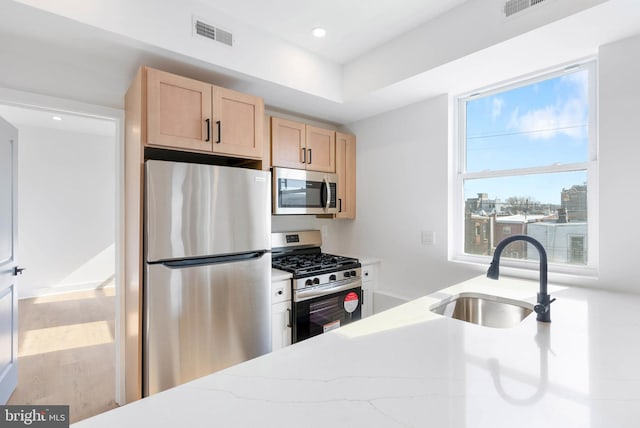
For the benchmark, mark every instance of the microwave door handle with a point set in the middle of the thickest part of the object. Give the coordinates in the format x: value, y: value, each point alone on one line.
x: 328, y: 187
x: 323, y: 194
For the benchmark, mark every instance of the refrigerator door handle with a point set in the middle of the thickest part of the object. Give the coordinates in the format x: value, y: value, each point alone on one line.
x: 228, y: 258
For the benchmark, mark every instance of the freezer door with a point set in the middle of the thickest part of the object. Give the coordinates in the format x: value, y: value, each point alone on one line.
x: 201, y: 319
x: 195, y: 210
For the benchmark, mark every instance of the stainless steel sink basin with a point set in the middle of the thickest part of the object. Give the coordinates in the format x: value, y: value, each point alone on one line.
x: 485, y: 310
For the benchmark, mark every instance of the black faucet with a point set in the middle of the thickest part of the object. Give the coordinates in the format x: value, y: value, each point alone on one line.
x: 543, y: 308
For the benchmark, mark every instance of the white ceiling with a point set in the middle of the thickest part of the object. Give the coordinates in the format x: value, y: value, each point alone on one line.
x: 353, y: 26
x: 65, y: 57
x: 40, y: 118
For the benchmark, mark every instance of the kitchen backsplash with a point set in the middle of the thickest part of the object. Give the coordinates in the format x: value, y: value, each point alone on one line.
x: 333, y: 237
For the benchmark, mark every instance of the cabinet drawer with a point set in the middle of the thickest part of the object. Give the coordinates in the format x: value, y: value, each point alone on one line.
x: 281, y: 291
x: 368, y: 273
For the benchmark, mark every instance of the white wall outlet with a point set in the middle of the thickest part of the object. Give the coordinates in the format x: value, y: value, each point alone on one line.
x: 428, y: 237
x: 324, y: 229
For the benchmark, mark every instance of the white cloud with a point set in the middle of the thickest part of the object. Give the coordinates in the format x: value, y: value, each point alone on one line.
x: 579, y: 81
x: 496, y: 110
x: 567, y: 118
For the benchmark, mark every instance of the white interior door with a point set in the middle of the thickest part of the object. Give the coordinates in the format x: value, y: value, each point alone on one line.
x: 8, y: 268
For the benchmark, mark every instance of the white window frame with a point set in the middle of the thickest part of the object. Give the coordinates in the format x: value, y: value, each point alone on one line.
x: 457, y: 202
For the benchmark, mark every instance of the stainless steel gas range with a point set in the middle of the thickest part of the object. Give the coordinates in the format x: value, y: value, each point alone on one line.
x: 326, y: 288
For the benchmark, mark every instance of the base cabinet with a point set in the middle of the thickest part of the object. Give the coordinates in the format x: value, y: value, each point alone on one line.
x: 369, y: 285
x: 280, y: 314
x: 280, y: 325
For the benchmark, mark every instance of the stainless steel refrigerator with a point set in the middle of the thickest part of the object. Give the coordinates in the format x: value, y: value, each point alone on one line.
x: 206, y: 286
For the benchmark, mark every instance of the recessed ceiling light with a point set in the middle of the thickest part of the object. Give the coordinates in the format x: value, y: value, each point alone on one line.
x: 319, y: 32
x: 56, y: 118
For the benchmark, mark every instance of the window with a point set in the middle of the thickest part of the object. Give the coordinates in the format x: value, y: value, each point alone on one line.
x: 526, y: 164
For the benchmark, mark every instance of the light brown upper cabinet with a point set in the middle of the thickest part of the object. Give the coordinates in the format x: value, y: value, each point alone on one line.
x: 239, y: 119
x: 187, y: 114
x: 288, y: 143
x: 321, y: 149
x: 300, y: 146
x: 178, y: 109
x: 346, y: 170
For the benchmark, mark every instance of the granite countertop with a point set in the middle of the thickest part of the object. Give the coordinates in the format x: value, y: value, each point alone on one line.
x: 408, y: 367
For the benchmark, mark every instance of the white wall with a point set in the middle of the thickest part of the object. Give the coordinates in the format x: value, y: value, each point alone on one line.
x: 167, y: 25
x: 402, y: 161
x: 402, y: 176
x: 619, y: 158
x: 66, y: 197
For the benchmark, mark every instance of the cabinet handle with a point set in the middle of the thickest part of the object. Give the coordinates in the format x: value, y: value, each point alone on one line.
x: 304, y: 156
x: 309, y: 156
x: 208, y: 122
x: 290, y: 320
x: 339, y: 205
x: 219, y: 131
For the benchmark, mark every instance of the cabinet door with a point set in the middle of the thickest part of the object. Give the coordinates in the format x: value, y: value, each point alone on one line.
x: 280, y: 325
x: 288, y: 143
x: 178, y: 111
x: 369, y: 281
x: 346, y: 170
x: 321, y: 149
x: 237, y: 123
x: 367, y: 301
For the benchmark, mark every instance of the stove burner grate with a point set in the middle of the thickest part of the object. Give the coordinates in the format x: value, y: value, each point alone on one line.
x: 306, y: 263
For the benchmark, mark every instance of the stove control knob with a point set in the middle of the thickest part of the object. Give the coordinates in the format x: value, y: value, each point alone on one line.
x: 308, y: 283
x: 316, y: 281
x: 347, y: 274
x: 353, y: 273
x: 332, y: 278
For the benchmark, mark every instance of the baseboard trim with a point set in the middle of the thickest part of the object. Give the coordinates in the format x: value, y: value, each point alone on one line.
x: 52, y: 291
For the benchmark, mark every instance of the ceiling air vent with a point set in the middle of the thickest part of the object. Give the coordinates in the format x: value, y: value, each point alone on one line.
x: 203, y: 29
x: 512, y: 7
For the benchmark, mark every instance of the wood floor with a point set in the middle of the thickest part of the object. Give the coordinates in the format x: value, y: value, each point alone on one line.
x: 66, y: 352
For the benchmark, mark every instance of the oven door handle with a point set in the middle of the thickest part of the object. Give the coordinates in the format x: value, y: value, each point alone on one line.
x: 306, y: 294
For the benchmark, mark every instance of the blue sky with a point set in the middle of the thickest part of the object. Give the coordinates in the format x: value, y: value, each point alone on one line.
x: 539, y: 124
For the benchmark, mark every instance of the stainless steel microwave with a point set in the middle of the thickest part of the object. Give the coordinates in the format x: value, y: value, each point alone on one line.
x: 296, y: 191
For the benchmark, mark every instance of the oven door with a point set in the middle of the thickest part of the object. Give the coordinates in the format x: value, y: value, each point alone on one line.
x: 326, y: 311
x: 304, y: 192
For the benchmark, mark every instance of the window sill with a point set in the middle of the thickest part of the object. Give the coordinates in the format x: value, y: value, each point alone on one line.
x: 558, y: 274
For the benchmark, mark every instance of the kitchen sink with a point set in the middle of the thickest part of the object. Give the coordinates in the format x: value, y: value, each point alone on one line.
x: 485, y: 310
